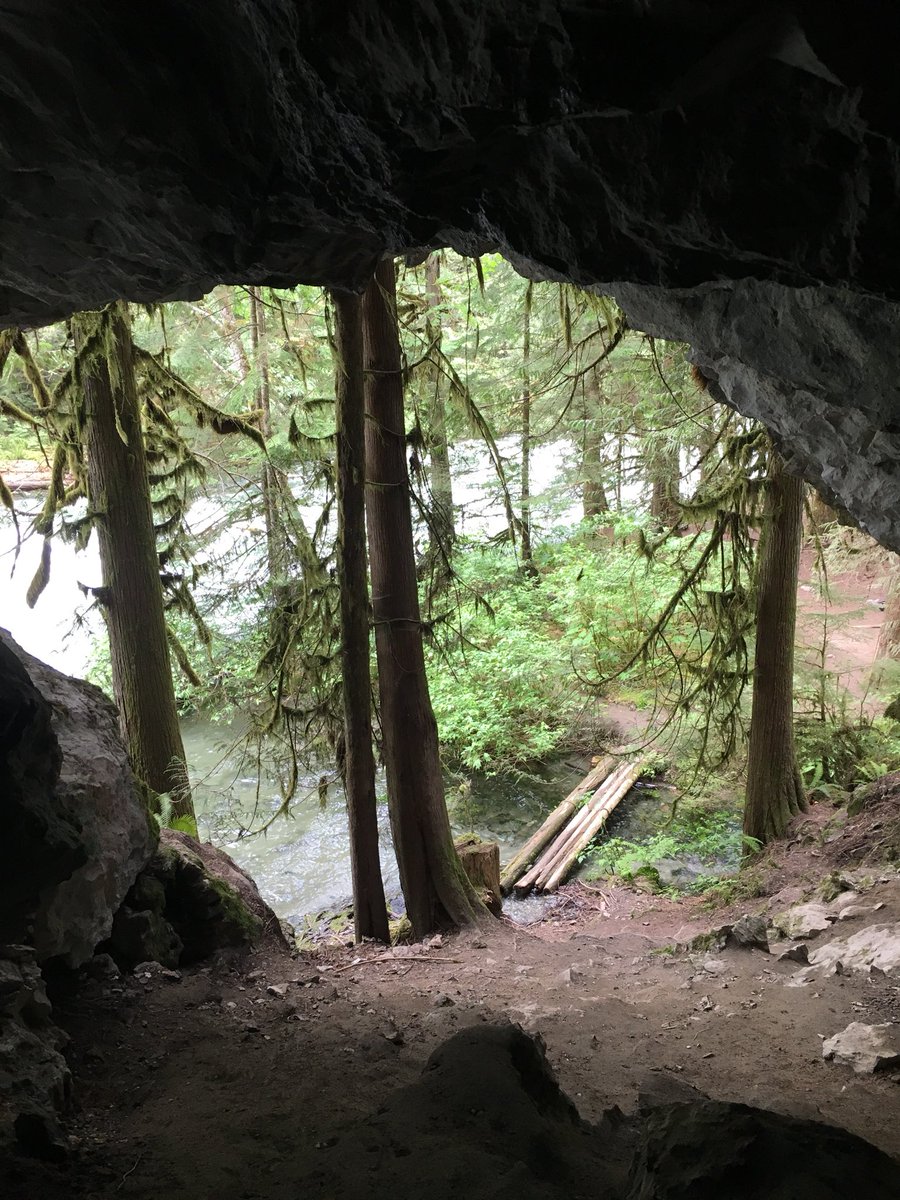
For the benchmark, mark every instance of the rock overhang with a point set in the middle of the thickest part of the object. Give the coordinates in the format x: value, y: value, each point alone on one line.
x: 729, y: 171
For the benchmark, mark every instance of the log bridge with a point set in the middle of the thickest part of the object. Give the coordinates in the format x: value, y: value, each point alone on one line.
x: 550, y: 855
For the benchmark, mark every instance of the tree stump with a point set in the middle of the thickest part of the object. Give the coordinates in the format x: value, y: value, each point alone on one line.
x: 481, y: 862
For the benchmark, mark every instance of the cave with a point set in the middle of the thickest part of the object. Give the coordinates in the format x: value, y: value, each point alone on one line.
x: 729, y: 171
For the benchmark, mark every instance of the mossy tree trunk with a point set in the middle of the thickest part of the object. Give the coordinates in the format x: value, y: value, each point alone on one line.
x: 525, y: 477
x: 438, y: 452
x: 774, y: 786
x: 435, y: 887
x: 275, y: 535
x: 119, y: 498
x: 369, y: 908
x: 665, y: 480
x: 593, y: 493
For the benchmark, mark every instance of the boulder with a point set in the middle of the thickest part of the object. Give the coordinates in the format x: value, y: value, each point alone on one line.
x: 875, y: 946
x: 865, y: 1048
x: 804, y: 920
x: 41, y: 843
x: 750, y: 933
x: 84, y: 796
x: 487, y: 1120
x: 34, y: 1078
x: 190, y: 901
x: 705, y: 1149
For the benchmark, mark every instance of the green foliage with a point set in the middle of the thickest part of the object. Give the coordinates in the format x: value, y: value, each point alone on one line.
x: 163, y: 816
x: 507, y: 663
x: 712, y: 836
x: 846, y: 750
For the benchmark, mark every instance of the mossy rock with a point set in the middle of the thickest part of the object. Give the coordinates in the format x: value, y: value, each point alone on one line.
x: 190, y: 901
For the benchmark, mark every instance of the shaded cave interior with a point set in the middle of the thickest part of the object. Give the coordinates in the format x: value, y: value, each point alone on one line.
x: 727, y: 172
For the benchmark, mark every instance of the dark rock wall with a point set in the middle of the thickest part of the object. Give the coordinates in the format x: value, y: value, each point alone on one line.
x: 731, y: 167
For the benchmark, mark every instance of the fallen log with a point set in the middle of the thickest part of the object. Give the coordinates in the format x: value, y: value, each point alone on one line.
x: 563, y: 812
x: 590, y: 830
x: 581, y: 816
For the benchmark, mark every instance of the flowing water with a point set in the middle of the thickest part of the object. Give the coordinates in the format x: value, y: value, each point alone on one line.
x: 302, y: 861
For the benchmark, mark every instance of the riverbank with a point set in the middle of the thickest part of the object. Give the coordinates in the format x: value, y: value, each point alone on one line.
x: 237, y: 1079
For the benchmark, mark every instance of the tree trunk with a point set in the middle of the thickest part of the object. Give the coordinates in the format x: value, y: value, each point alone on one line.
x: 369, y: 908
x: 259, y: 339
x: 119, y: 496
x: 593, y: 493
x: 774, y: 787
x: 525, y: 480
x: 435, y: 886
x: 441, y: 480
x: 665, y: 477
x: 889, y: 635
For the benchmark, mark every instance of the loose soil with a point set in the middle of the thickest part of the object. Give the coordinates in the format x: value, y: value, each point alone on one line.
x: 232, y: 1080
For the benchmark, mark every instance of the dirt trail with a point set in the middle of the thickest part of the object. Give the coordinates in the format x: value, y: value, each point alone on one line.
x: 853, y: 616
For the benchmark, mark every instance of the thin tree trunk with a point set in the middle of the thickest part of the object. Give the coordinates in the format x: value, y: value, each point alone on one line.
x: 774, y: 787
x: 369, y: 908
x: 435, y: 886
x: 441, y: 479
x: 593, y: 493
x: 525, y: 480
x: 119, y: 496
x: 889, y: 635
x: 665, y: 476
x: 259, y: 339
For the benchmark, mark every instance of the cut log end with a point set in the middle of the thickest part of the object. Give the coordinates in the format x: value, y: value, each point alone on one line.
x: 481, y: 863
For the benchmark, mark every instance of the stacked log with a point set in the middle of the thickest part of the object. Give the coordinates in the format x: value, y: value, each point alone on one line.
x: 561, y: 855
x: 560, y: 816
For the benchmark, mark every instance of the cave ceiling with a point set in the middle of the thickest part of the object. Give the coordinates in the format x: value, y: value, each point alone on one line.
x: 729, y: 171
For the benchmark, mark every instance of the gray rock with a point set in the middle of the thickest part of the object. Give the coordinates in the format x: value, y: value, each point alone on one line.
x: 804, y: 920
x: 190, y: 901
x: 714, y: 966
x: 93, y: 793
x: 853, y: 912
x: 706, y: 1149
x: 796, y: 953
x: 750, y: 933
x: 102, y: 967
x: 865, y: 1048
x: 145, y: 936
x: 875, y: 946
x: 793, y: 321
x: 35, y: 1083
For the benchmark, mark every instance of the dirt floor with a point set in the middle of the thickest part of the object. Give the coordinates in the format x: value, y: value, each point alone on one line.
x: 233, y: 1080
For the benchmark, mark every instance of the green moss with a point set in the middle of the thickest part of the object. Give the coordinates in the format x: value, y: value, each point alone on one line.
x: 235, y: 911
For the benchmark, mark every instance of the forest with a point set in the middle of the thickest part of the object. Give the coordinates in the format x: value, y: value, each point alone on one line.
x: 411, y: 547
